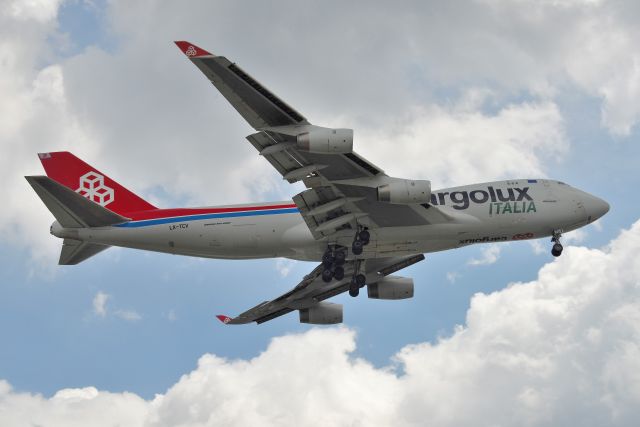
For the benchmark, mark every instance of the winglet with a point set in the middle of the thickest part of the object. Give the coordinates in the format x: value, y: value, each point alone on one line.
x: 224, y: 319
x: 191, y: 50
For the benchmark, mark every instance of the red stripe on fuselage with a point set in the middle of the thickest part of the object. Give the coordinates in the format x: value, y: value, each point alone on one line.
x: 170, y: 213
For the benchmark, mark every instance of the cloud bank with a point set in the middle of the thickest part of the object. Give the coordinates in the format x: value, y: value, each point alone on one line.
x: 562, y: 349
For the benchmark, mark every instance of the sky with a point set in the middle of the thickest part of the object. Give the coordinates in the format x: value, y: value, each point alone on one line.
x: 455, y: 92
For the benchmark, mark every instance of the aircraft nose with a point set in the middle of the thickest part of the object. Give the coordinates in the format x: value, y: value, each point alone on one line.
x: 595, y: 206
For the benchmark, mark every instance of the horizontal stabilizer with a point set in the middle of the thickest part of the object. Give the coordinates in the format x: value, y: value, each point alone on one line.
x: 74, y: 251
x: 70, y: 208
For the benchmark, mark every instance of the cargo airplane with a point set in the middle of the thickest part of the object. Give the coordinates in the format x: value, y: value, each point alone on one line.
x: 360, y: 224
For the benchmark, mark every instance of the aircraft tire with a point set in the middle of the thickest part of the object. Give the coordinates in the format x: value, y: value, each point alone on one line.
x: 360, y: 280
x: 327, y: 259
x: 556, y: 251
x: 327, y: 275
x: 354, y: 290
x: 356, y: 248
x: 338, y: 273
x: 364, y: 236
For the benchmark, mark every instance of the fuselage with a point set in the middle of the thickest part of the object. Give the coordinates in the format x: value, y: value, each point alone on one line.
x: 498, y: 211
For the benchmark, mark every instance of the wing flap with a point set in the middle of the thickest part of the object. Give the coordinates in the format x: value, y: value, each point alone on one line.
x: 282, y: 159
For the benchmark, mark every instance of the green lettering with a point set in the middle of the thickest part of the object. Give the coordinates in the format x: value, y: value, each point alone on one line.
x: 498, y: 207
x: 532, y: 207
x: 515, y: 208
x: 507, y: 207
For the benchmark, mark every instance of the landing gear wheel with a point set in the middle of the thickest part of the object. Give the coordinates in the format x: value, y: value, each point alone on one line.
x: 354, y: 289
x: 360, y: 280
x: 356, y: 247
x: 556, y: 250
x: 340, y: 257
x: 328, y: 259
x: 338, y: 273
x: 327, y: 275
x: 364, y: 236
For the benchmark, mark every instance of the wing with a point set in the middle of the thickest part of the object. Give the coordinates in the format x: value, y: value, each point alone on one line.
x: 312, y: 290
x: 342, y: 188
x: 255, y: 103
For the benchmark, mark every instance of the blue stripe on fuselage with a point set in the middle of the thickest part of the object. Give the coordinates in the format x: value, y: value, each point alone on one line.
x: 146, y: 222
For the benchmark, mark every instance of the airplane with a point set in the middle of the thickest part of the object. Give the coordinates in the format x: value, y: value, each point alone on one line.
x: 360, y: 224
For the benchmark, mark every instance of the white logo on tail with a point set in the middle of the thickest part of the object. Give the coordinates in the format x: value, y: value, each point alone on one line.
x: 92, y: 187
x: 191, y: 51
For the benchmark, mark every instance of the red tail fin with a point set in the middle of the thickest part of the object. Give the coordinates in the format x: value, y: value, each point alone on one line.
x: 82, y: 178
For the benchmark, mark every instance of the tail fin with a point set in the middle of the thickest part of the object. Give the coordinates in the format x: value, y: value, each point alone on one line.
x: 90, y: 183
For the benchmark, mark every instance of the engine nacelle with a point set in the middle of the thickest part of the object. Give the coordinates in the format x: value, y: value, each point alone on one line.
x: 391, y: 287
x: 324, y: 313
x: 326, y: 141
x: 405, y: 191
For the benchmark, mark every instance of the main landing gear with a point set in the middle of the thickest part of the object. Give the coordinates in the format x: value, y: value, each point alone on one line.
x: 556, y: 249
x: 333, y: 261
x: 357, y: 281
x: 334, y: 258
x: 361, y: 240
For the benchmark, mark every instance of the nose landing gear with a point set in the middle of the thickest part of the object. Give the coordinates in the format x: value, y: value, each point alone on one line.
x: 556, y: 249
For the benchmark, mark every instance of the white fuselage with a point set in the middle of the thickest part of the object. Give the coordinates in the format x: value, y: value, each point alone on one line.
x: 480, y: 213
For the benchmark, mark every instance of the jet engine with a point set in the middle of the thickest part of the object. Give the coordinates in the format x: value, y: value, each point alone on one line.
x: 405, y: 191
x: 391, y: 287
x: 326, y: 141
x: 323, y: 313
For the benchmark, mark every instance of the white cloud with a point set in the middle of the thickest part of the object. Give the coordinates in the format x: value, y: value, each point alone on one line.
x: 575, y: 236
x: 100, y: 309
x: 597, y: 225
x: 129, y: 315
x: 452, y: 276
x: 71, y: 408
x: 562, y: 349
x: 284, y: 266
x: 457, y: 145
x: 34, y: 117
x: 489, y: 255
x: 41, y: 11
x: 537, y: 247
x: 100, y: 304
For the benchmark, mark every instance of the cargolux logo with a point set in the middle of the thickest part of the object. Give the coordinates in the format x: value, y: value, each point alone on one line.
x: 92, y: 187
x: 191, y: 51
